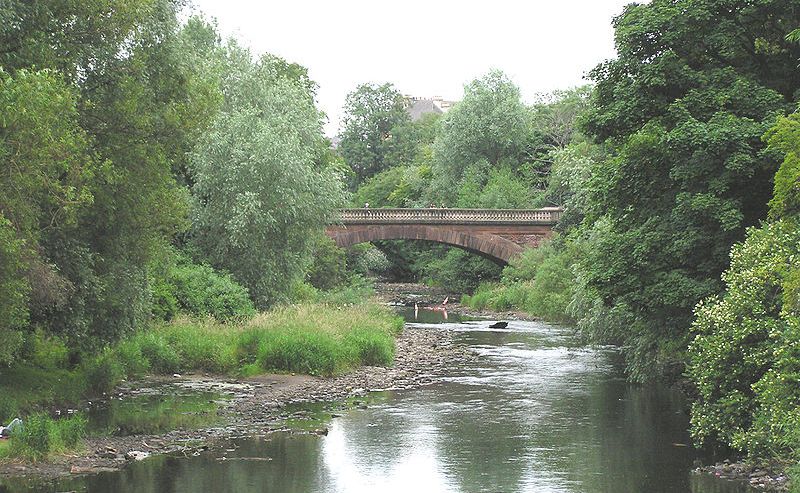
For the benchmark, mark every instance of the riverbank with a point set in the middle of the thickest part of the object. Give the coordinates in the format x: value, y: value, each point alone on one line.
x: 257, y: 406
x: 409, y: 294
x: 771, y: 478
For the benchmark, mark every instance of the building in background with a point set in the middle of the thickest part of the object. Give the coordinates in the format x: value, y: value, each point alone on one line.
x: 417, y: 106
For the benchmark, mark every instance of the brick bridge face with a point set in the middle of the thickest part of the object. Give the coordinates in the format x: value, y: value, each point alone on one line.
x: 498, y: 234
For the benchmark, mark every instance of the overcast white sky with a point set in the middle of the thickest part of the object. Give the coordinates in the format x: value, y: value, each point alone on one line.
x: 425, y: 48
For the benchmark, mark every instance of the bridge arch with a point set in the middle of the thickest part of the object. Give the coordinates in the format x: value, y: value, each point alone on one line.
x: 498, y: 234
x: 493, y: 247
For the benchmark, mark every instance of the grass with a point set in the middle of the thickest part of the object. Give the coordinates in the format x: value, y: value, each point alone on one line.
x: 316, y: 339
x: 524, y: 296
x: 42, y: 436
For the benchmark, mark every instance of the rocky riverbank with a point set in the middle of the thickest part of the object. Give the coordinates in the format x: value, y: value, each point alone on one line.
x: 257, y: 406
x: 409, y: 294
x: 763, y: 477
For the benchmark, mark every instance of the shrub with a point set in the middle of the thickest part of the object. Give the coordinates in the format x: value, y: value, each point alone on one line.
x: 329, y: 267
x: 45, y: 351
x: 165, y: 302
x: 197, y: 289
x: 358, y: 291
x: 160, y: 355
x: 540, y: 282
x: 104, y: 372
x: 745, y: 358
x: 302, y: 292
x: 200, y: 290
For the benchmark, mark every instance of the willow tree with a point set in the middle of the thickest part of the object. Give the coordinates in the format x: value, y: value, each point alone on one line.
x: 260, y: 195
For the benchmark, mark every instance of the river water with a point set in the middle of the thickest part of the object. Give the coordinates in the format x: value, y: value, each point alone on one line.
x: 532, y: 413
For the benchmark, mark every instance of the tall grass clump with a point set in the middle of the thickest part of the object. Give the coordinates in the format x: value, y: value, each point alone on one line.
x: 317, y: 339
x: 320, y: 339
x: 41, y: 436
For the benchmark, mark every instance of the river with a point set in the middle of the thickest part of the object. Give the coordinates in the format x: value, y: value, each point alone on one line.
x: 532, y: 413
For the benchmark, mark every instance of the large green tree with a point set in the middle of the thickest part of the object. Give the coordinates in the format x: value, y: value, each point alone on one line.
x: 260, y: 195
x: 372, y: 135
x: 488, y: 130
x: 116, y: 100
x: 695, y: 85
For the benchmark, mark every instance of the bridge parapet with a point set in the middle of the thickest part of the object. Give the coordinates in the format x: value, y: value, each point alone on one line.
x: 547, y: 216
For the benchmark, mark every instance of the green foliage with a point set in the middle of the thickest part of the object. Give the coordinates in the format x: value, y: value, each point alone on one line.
x: 744, y: 359
x: 365, y: 259
x: 502, y: 190
x: 356, y: 292
x: 300, y: 340
x: 259, y: 198
x: 98, y: 108
x: 46, y: 351
x: 489, y: 127
x: 328, y: 269
x: 42, y: 436
x: 456, y: 270
x: 202, y: 291
x: 104, y: 372
x: 13, y: 292
x: 316, y: 339
x: 539, y: 282
x: 784, y: 137
x: 684, y: 108
x: 43, y: 187
x: 372, y: 134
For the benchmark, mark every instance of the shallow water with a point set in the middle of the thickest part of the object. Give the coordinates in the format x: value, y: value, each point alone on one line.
x: 533, y: 413
x: 156, y: 409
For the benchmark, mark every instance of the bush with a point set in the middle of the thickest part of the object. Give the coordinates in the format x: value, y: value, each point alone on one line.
x: 200, y: 290
x: 104, y: 372
x: 745, y: 358
x: 329, y: 267
x: 358, y: 291
x: 165, y: 302
x: 365, y: 259
x: 539, y: 282
x: 45, y: 351
x: 197, y: 289
x: 457, y: 270
x: 156, y: 350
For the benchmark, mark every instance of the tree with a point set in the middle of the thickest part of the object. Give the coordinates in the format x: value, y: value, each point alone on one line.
x: 556, y: 115
x: 106, y: 124
x: 489, y: 128
x: 370, y: 138
x: 684, y: 107
x: 44, y: 187
x: 259, y: 197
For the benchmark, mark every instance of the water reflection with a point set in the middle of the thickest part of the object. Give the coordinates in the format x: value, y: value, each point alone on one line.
x: 533, y: 413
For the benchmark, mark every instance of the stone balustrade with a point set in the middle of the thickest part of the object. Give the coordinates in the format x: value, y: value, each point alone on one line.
x: 546, y: 216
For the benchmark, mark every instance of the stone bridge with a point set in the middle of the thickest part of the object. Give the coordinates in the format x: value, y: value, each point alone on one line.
x: 497, y: 234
